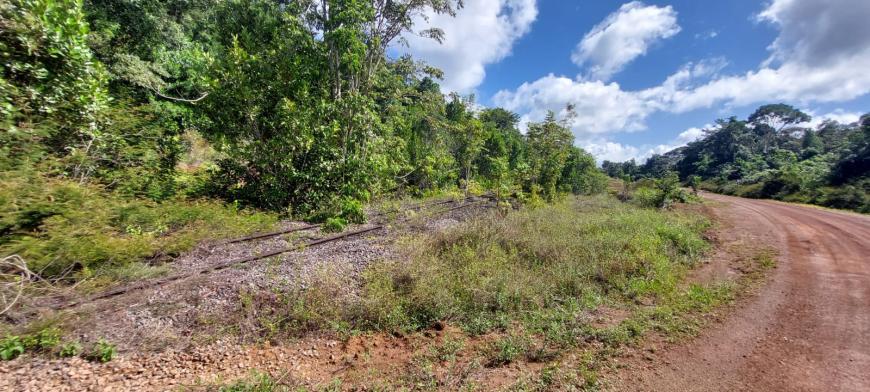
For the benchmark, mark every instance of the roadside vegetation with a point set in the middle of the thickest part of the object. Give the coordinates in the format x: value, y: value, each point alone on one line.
x: 540, y: 267
x: 774, y: 155
x: 531, y: 286
x: 134, y: 130
x: 131, y: 130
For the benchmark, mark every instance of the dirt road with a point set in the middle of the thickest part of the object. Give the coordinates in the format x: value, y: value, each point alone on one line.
x: 807, y: 329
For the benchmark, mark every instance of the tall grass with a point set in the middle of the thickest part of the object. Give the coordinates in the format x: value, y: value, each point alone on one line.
x: 540, y: 268
x: 63, y: 228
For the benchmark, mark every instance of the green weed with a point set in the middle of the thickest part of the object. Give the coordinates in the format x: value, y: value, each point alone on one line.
x: 334, y: 225
x: 505, y: 350
x: 11, y: 347
x: 103, y: 351
x: 257, y: 382
x: 70, y: 349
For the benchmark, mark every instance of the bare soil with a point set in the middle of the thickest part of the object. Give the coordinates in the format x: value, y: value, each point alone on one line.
x: 808, y: 327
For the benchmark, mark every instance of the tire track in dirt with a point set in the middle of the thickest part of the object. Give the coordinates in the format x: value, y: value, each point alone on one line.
x: 808, y: 329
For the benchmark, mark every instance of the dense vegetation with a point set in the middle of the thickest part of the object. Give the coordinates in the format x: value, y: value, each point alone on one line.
x: 119, y: 117
x: 770, y: 155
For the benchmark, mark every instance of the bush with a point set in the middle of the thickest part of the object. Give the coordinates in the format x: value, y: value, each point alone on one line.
x: 352, y: 211
x: 852, y: 197
x: 44, y: 340
x: 646, y: 197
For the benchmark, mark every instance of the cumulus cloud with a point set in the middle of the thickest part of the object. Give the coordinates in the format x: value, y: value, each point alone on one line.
x: 623, y: 36
x: 818, y: 32
x: 482, y: 33
x: 602, y: 107
x: 605, y: 150
x: 821, y: 54
x: 839, y: 115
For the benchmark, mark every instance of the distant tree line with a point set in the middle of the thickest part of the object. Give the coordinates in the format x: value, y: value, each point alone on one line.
x: 772, y: 155
x: 284, y: 105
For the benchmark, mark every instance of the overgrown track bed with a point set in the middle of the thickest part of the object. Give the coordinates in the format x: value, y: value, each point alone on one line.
x: 463, y: 203
x: 417, y: 207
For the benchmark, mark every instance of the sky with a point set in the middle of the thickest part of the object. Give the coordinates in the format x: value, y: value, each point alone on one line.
x: 646, y: 77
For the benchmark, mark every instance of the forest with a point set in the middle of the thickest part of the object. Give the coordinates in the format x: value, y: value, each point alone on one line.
x: 151, y: 117
x: 773, y: 154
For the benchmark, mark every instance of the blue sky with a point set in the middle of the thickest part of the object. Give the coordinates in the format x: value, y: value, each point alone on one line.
x: 646, y: 76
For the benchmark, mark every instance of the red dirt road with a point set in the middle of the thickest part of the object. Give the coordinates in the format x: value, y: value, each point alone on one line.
x: 808, y: 329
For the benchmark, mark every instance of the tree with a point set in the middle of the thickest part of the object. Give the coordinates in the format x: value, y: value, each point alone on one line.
x: 468, y: 135
x: 811, y: 144
x: 778, y: 116
x: 695, y: 183
x: 550, y: 144
x: 770, y: 120
x: 854, y: 161
x: 52, y: 92
x: 358, y: 32
x: 580, y: 176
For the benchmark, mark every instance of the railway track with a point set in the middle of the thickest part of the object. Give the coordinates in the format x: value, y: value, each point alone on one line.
x: 276, y: 233
x: 462, y: 203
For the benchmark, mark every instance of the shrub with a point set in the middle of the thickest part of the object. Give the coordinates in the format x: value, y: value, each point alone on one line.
x: 853, y: 197
x: 646, y: 197
x: 352, y: 211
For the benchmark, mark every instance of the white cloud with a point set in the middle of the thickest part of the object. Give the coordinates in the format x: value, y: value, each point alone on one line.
x: 482, y: 33
x: 600, y: 107
x: 839, y: 115
x: 690, y: 135
x: 707, y: 35
x: 822, y: 54
x: 623, y: 36
x: 605, y: 150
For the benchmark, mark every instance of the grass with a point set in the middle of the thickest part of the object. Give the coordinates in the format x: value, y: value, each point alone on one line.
x: 66, y: 229
x: 523, y: 289
x: 537, y: 267
x: 530, y: 279
x: 542, y: 268
x: 257, y: 382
